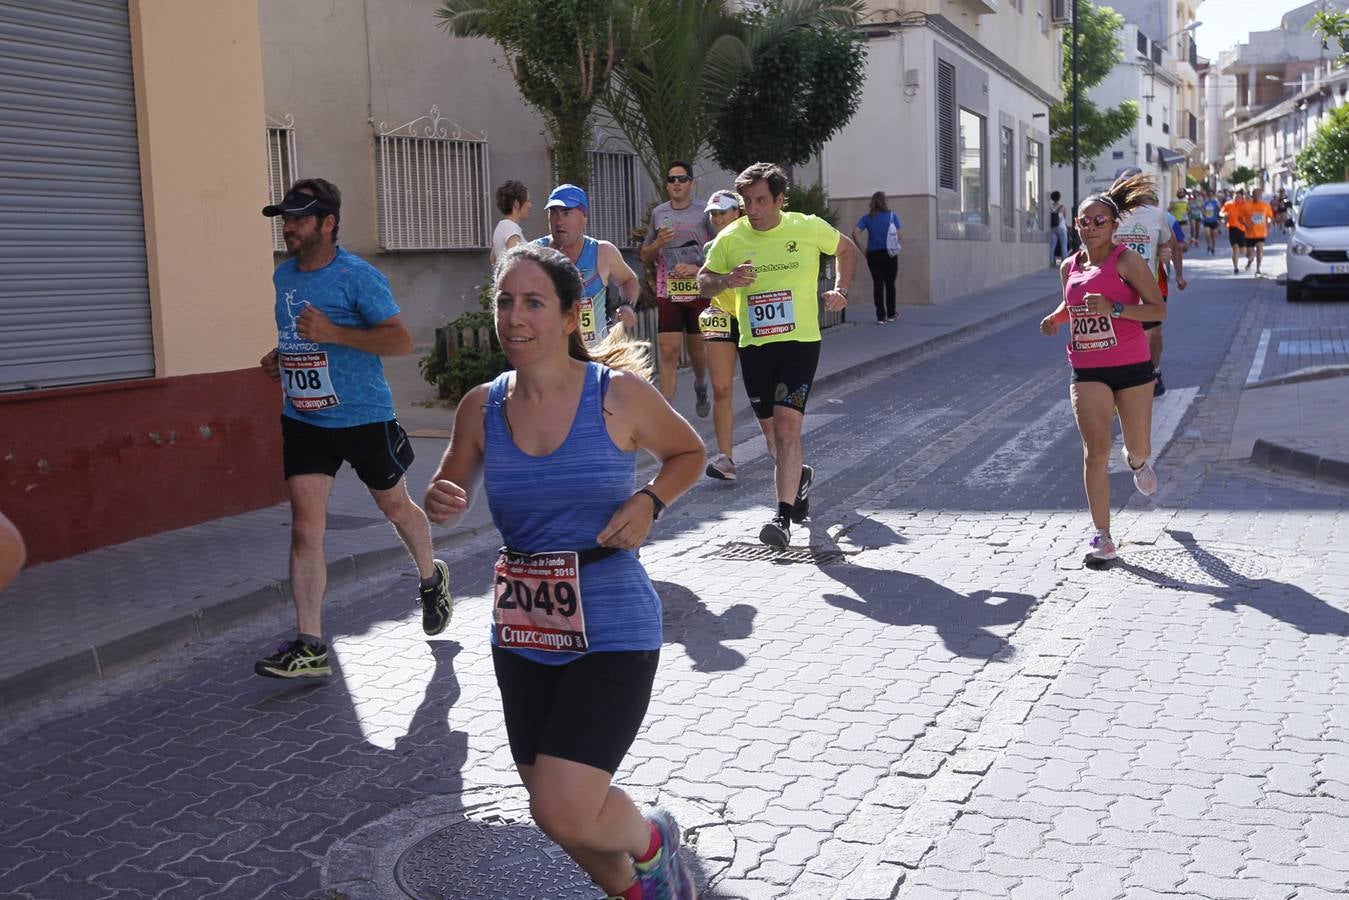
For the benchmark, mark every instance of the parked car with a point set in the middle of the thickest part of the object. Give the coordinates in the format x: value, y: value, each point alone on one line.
x: 1318, y: 247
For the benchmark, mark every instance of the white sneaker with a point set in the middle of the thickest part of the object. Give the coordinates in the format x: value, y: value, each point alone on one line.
x: 1100, y: 550
x: 721, y: 468
x: 1145, y: 477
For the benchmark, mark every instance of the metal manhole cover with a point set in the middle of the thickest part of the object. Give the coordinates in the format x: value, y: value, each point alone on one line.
x: 817, y: 556
x: 1182, y: 567
x: 493, y: 852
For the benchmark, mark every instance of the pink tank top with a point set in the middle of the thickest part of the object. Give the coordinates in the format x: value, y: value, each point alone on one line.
x: 1098, y: 341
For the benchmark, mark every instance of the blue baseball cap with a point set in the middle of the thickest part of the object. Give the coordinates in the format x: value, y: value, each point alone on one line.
x: 568, y: 196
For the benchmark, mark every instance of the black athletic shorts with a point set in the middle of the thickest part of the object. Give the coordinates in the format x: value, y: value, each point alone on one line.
x: 681, y: 316
x: 1117, y: 378
x: 588, y: 710
x: 1251, y: 242
x: 779, y: 374
x: 379, y: 452
x: 1236, y: 237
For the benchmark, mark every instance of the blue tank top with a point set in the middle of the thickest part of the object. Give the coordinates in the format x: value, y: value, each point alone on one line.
x: 561, y: 502
x: 593, y: 289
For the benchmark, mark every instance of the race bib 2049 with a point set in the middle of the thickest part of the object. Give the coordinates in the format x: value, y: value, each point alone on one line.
x: 538, y: 602
x: 771, y: 313
x: 306, y: 381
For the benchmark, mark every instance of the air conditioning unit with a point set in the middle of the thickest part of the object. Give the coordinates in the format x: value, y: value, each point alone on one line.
x: 1060, y: 12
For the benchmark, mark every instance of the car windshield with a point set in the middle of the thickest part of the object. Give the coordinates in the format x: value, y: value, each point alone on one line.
x: 1325, y: 211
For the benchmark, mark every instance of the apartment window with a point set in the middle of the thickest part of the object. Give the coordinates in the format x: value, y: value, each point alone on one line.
x: 947, y: 137
x: 613, y: 197
x: 973, y: 197
x: 1166, y: 120
x: 1149, y: 118
x: 1007, y: 154
x: 1157, y: 53
x: 1142, y: 43
x: 281, y: 169
x: 1035, y: 177
x: 431, y: 186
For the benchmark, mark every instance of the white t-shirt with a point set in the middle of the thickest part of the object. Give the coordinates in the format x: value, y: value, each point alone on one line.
x: 1144, y: 230
x: 505, y: 228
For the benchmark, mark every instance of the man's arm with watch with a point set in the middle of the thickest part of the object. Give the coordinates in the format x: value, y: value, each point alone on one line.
x: 845, y: 261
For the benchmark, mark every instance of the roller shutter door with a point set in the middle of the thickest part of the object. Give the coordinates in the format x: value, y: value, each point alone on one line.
x: 74, y: 295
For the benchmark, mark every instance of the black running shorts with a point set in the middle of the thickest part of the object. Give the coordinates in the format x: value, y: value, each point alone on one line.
x: 779, y: 374
x: 1251, y: 242
x: 587, y: 711
x: 1117, y: 378
x: 379, y: 452
x: 1236, y: 237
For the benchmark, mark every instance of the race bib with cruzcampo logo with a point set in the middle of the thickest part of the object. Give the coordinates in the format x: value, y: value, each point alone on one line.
x: 1091, y: 332
x: 715, y: 323
x: 538, y: 602
x: 771, y: 313
x: 306, y: 381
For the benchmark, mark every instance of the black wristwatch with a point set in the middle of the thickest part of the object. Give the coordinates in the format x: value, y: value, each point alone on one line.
x: 1116, y: 310
x: 839, y: 290
x: 657, y: 504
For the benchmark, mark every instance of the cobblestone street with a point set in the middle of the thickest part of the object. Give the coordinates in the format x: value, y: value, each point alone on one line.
x: 930, y: 699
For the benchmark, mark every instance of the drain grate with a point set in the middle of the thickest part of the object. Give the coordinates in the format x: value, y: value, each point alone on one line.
x: 816, y: 556
x: 1181, y: 568
x: 500, y: 853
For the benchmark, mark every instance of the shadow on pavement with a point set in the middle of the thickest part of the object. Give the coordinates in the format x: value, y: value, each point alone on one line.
x: 1277, y: 599
x: 688, y: 621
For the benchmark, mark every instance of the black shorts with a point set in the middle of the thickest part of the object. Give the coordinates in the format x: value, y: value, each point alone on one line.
x: 1251, y: 242
x: 1236, y: 237
x: 779, y: 374
x: 379, y: 452
x: 1117, y: 378
x: 681, y: 316
x: 587, y: 711
x: 1211, y: 224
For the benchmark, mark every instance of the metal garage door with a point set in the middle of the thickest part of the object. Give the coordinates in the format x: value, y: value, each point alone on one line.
x: 74, y: 300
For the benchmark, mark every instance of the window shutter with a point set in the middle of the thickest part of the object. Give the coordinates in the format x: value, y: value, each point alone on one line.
x: 946, y: 125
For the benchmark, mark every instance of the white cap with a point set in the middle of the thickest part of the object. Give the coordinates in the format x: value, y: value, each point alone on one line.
x: 722, y: 201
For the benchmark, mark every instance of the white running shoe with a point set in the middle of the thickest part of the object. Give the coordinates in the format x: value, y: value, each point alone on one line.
x: 721, y: 468
x: 1145, y: 477
x: 1100, y: 550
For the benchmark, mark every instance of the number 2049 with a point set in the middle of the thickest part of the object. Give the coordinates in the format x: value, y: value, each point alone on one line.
x: 512, y: 593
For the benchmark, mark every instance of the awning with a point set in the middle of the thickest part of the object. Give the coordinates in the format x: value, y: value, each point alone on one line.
x: 1166, y: 158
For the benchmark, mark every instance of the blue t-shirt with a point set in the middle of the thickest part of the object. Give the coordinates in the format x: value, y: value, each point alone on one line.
x: 1211, y: 208
x: 877, y: 228
x: 330, y: 385
x: 1176, y: 229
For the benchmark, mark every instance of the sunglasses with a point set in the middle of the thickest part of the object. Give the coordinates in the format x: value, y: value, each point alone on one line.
x: 1098, y: 220
x: 677, y: 179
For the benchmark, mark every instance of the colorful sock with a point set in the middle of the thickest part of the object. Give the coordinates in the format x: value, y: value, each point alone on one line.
x: 634, y: 892
x: 785, y: 510
x: 652, y: 848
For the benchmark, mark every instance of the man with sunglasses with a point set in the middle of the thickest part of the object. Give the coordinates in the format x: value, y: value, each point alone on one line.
x: 1147, y: 231
x: 335, y: 318
x: 674, y: 243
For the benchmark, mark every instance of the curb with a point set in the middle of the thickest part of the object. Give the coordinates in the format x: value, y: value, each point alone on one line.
x: 146, y: 642
x: 1299, y: 462
x: 1313, y: 373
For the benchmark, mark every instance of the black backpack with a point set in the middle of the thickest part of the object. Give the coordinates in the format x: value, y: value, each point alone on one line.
x: 1054, y: 219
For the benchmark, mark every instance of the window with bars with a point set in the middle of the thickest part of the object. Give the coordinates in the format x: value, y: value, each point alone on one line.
x: 432, y: 186
x: 1007, y: 153
x: 947, y: 136
x: 281, y: 170
x: 613, y: 197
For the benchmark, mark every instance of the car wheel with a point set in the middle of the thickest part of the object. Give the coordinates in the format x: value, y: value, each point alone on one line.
x: 1294, y: 292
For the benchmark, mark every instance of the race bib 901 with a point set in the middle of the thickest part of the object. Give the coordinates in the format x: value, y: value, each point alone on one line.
x: 770, y: 313
x: 538, y: 602
x: 1091, y: 332
x: 306, y: 381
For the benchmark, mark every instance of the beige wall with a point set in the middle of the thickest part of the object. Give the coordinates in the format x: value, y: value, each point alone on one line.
x: 198, y: 72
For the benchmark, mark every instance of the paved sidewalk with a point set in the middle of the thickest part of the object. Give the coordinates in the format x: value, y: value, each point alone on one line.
x: 74, y: 621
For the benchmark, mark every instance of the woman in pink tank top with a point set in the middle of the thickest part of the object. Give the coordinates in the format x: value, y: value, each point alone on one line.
x: 1108, y: 292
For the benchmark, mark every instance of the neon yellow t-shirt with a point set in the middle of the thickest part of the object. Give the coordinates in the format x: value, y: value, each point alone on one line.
x: 783, y: 302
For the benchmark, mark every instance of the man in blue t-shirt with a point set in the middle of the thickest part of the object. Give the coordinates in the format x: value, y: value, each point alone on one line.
x: 335, y: 318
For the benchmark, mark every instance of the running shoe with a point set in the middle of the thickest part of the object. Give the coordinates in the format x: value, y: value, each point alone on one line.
x: 1248, y: 264
x: 702, y: 406
x: 1158, y: 386
x: 777, y: 533
x: 665, y: 876
x: 295, y: 659
x: 437, y: 606
x: 801, y: 507
x: 1100, y: 550
x: 1145, y: 477
x: 721, y: 468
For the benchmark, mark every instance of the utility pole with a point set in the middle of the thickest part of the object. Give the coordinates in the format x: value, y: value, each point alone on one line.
x: 1076, y: 122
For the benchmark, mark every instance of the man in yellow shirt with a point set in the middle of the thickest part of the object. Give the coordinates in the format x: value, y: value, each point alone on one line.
x: 1234, y: 211
x: 1258, y: 216
x: 770, y: 259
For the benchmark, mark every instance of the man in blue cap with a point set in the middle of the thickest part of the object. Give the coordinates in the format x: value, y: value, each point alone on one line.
x: 599, y: 261
x: 335, y: 318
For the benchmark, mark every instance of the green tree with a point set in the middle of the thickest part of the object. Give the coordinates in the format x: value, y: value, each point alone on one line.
x: 1326, y: 156
x: 562, y: 54
x: 1241, y: 175
x: 1097, y: 53
x: 1332, y: 25
x: 805, y: 84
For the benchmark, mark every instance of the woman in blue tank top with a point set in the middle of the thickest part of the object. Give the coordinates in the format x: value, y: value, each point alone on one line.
x: 576, y: 629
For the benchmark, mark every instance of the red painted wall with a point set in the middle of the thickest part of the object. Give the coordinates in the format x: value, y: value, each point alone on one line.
x: 90, y: 466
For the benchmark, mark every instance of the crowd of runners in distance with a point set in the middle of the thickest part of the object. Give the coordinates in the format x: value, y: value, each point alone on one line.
x: 552, y: 443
